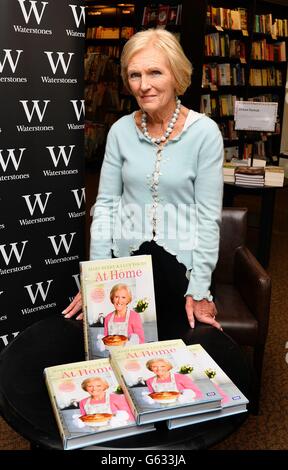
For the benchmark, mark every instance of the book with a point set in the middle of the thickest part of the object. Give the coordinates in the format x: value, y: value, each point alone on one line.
x: 274, y: 176
x: 159, y: 381
x: 118, y: 304
x: 233, y: 401
x: 88, y: 404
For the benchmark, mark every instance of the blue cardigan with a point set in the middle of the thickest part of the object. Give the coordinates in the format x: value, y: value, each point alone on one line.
x: 178, y: 204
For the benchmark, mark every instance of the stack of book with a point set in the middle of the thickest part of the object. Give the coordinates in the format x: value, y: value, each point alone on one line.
x: 228, y: 173
x: 111, y: 398
x: 274, y: 176
x: 249, y: 176
x: 130, y: 380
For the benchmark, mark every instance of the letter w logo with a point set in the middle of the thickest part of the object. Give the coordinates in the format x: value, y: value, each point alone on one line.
x: 29, y: 114
x: 8, y: 58
x: 54, y: 66
x: 39, y: 289
x: 76, y: 109
x: 13, y: 250
x: 62, y: 153
x: 33, y: 8
x: 37, y: 201
x: 75, y: 14
x: 11, y: 156
x: 63, y: 241
x: 77, y: 198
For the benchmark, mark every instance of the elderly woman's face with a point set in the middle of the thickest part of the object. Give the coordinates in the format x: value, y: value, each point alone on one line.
x: 151, y: 80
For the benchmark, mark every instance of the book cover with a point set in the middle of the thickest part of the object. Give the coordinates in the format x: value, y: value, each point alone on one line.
x: 118, y: 304
x: 232, y: 399
x: 160, y: 383
x: 88, y: 404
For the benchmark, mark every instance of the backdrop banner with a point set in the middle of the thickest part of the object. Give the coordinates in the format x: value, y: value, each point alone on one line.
x: 42, y: 195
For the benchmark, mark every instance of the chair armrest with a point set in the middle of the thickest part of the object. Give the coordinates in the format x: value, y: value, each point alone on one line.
x: 254, y: 285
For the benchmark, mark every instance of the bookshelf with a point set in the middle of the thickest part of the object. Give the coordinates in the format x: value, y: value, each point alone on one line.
x: 238, y: 50
x: 245, y: 50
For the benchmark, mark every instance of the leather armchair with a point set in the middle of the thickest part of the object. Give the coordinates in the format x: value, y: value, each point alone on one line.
x: 242, y: 292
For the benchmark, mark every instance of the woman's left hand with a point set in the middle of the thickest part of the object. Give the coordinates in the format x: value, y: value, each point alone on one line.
x: 203, y: 310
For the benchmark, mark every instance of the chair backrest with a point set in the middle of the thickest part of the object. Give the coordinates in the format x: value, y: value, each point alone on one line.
x: 232, y: 235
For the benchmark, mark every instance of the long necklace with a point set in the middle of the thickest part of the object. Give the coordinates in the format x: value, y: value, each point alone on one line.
x: 154, y: 181
x: 164, y: 137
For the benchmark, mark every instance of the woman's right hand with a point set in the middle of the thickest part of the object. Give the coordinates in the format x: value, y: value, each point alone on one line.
x: 74, y: 307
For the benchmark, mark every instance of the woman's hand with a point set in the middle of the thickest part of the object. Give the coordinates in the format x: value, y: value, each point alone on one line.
x: 203, y: 310
x: 74, y: 307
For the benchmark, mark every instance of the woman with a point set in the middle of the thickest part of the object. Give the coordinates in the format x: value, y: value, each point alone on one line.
x: 101, y: 401
x: 161, y: 184
x: 123, y: 321
x: 164, y: 380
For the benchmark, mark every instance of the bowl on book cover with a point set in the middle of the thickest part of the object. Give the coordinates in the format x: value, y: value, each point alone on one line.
x: 98, y: 419
x: 112, y: 341
x: 165, y: 397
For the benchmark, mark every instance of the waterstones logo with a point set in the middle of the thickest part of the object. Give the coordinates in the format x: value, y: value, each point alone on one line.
x: 54, y: 65
x: 38, y: 200
x: 60, y: 60
x: 9, y: 60
x: 39, y: 290
x: 7, y: 338
x: 79, y: 17
x: 79, y: 195
x: 34, y: 110
x: 63, y: 243
x: 32, y: 7
x: 36, y: 291
x: 33, y: 12
x: 13, y: 252
x: 79, y: 109
x: 62, y: 154
x: 76, y: 278
x: 12, y: 158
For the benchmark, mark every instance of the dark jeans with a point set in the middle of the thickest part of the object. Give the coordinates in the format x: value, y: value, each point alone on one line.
x: 170, y: 285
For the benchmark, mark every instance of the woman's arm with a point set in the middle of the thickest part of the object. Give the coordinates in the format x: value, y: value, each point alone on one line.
x: 208, y: 187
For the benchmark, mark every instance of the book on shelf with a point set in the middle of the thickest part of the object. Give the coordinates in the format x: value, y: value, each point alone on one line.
x: 160, y: 382
x: 118, y: 304
x: 274, y: 176
x: 233, y: 401
x: 249, y: 176
x: 88, y: 404
x: 228, y: 172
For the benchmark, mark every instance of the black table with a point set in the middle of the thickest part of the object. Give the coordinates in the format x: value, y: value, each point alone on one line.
x: 267, y: 195
x: 25, y: 405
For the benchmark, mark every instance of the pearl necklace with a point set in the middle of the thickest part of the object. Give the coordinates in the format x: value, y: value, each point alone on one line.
x: 165, y: 136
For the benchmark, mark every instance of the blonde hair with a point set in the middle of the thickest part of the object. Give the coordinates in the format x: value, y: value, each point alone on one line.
x: 92, y: 379
x: 167, y: 43
x: 118, y: 287
x: 151, y: 362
